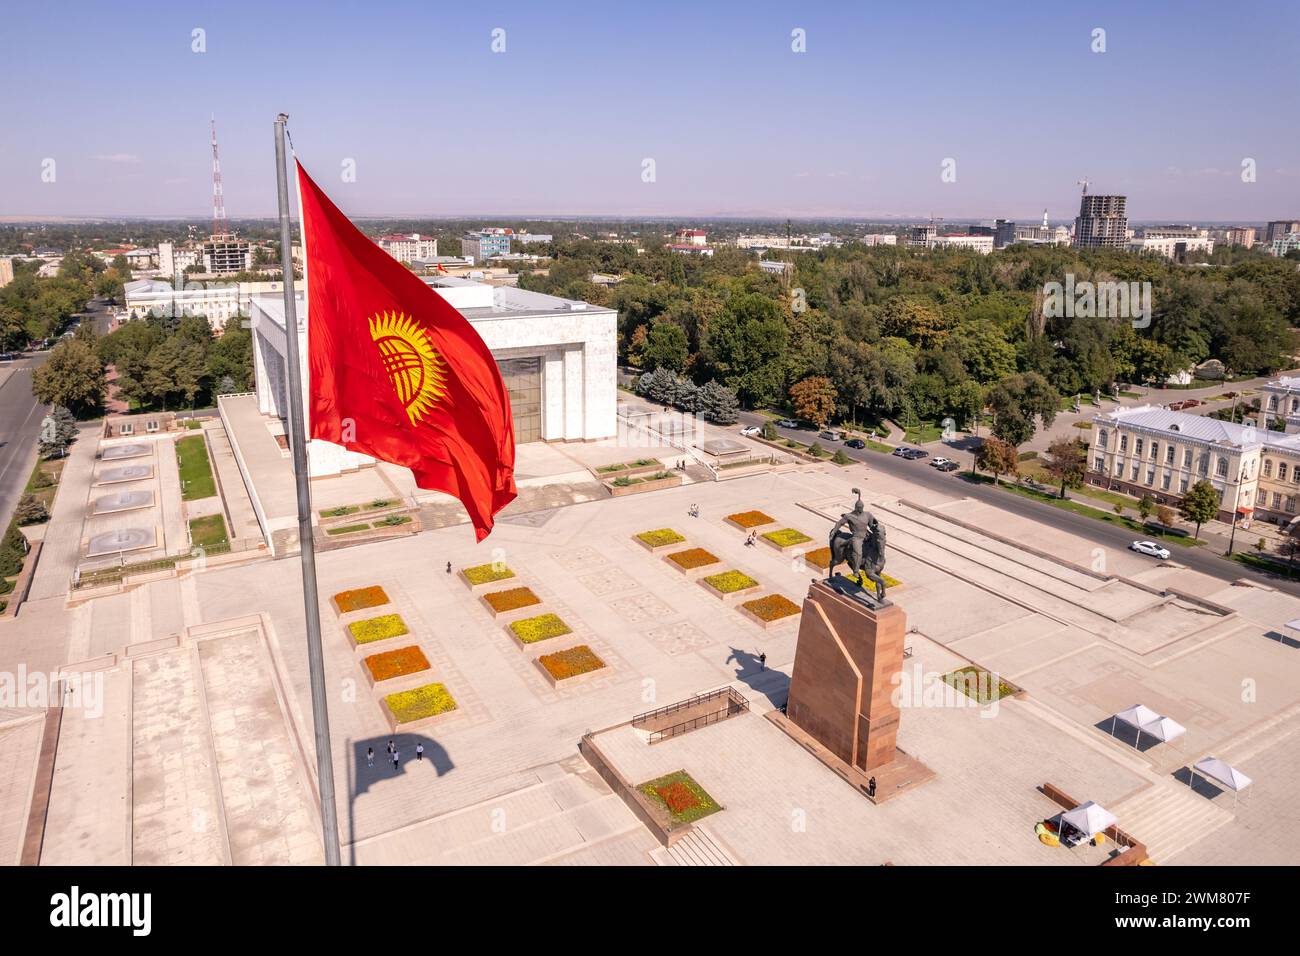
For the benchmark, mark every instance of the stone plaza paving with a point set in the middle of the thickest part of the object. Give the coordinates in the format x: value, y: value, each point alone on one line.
x: 203, y: 750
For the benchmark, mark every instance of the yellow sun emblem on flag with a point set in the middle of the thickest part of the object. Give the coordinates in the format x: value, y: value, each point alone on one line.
x: 418, y: 372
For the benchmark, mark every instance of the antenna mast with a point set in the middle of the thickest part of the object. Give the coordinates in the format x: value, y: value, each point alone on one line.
x: 219, y: 227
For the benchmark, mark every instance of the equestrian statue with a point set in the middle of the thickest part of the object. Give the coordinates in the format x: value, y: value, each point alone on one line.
x: 862, y: 546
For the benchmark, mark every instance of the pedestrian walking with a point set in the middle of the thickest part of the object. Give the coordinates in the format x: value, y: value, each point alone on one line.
x: 762, y: 661
x: 871, y: 787
x: 419, y: 751
x: 370, y: 756
x: 396, y: 757
x: 392, y: 747
x: 449, y: 567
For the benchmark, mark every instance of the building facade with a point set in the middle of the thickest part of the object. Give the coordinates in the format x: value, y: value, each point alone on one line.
x: 1153, y: 451
x: 1278, y: 228
x: 223, y: 255
x: 558, y: 358
x: 408, y: 248
x: 217, y: 301
x: 1102, y: 222
x: 1171, y: 247
x: 482, y: 246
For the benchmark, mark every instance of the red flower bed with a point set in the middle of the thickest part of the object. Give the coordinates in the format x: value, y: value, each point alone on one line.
x: 677, y: 797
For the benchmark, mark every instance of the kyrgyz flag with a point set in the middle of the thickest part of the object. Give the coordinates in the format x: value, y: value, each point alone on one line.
x: 396, y: 372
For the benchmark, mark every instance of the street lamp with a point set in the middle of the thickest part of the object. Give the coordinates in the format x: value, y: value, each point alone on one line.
x: 1236, y: 503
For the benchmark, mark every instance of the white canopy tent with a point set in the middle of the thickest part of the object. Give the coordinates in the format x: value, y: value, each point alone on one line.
x: 1089, y: 819
x: 1221, y: 773
x: 1146, y: 721
x: 1164, y: 729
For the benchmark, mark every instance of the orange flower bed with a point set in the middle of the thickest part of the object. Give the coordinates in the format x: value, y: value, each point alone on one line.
x: 398, y: 663
x: 750, y: 519
x: 512, y: 599
x: 359, y: 598
x: 771, y: 607
x: 693, y: 558
x: 677, y: 797
x: 572, y: 662
x: 818, y: 558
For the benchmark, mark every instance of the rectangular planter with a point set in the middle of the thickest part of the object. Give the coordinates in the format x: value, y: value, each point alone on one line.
x: 734, y: 597
x: 765, y: 625
x: 661, y: 548
x: 672, y: 481
x: 401, y: 681
x: 424, y: 723
x: 568, y: 681
x: 748, y: 528
x: 480, y: 588
x: 523, y: 611
x: 694, y: 574
x: 627, y: 472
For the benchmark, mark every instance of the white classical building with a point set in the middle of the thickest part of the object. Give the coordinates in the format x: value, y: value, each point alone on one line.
x: 218, y: 301
x: 558, y: 358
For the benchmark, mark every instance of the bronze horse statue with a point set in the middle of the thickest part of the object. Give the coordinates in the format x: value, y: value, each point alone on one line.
x: 872, y: 562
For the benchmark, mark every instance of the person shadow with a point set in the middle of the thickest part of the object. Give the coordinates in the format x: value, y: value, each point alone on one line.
x: 363, y: 776
x: 772, y: 684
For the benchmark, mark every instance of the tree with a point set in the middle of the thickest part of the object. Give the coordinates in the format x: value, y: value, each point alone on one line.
x: 72, y: 376
x: 1018, y: 403
x: 30, y: 510
x: 717, y: 403
x: 998, y: 457
x: 814, y: 399
x: 1066, y: 462
x: 1165, y: 515
x: 665, y: 346
x: 744, y: 346
x: 1200, y: 504
x: 58, y: 431
x: 1146, y: 505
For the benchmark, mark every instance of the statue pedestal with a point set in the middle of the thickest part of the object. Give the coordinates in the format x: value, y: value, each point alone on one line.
x: 844, y: 664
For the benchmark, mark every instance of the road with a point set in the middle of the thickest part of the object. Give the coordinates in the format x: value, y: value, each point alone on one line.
x: 20, y: 426
x: 920, y: 473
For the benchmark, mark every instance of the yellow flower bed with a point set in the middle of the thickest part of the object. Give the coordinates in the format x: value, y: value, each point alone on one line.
x: 427, y: 701
x: 660, y: 537
x: 487, y: 573
x: 729, y: 582
x: 541, y: 628
x: 771, y: 607
x: 378, y: 628
x: 750, y: 519
x: 693, y: 558
x: 786, y: 537
x: 502, y: 601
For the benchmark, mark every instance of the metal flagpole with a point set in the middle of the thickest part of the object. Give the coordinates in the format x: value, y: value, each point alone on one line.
x: 306, y: 544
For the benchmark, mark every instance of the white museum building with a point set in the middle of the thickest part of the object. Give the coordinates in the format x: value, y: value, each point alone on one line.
x: 558, y: 358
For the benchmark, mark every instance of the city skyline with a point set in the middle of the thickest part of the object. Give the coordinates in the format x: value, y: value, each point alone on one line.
x: 737, y: 123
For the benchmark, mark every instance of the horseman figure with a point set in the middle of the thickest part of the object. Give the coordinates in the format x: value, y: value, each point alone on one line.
x: 862, y: 546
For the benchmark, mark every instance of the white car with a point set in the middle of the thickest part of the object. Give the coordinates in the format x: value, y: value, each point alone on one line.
x: 1151, y: 548
x: 751, y: 431
x: 939, y: 461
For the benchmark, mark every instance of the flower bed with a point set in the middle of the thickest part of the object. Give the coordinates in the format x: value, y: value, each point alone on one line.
x: 398, y: 663
x: 677, y: 793
x: 660, y: 538
x: 626, y: 485
x: 750, y: 519
x: 729, y: 582
x: 503, y: 602
x: 981, y: 686
x: 360, y: 598
x: 570, y: 663
x: 377, y: 628
x: 420, y: 703
x: 818, y: 557
x: 531, y: 630
x: 786, y: 537
x: 692, y: 558
x: 486, y: 574
x: 771, y: 607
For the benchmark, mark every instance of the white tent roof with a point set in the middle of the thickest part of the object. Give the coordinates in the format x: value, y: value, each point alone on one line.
x: 1137, y: 715
x: 1089, y: 818
x: 1164, y: 728
x: 1229, y: 776
x: 1293, y: 625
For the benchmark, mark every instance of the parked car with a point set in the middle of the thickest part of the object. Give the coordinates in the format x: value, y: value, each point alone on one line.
x: 829, y: 435
x: 787, y: 423
x: 855, y: 443
x: 949, y: 466
x: 1150, y: 548
x: 936, y: 462
x: 751, y: 431
x: 916, y: 453
x: 901, y: 451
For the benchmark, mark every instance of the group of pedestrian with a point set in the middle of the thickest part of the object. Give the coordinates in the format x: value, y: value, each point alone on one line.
x: 694, y: 511
x: 752, y: 539
x: 394, y: 754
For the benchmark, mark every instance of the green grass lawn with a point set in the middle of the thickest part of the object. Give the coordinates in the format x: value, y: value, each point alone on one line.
x: 1267, y: 565
x: 196, y: 472
x: 923, y: 433
x: 208, y: 532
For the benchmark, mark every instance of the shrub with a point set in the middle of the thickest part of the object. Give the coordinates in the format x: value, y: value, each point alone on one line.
x: 30, y: 510
x: 487, y: 573
x: 571, y: 663
x: 771, y: 607
x: 360, y: 598
x: 786, y: 537
x: 6, y: 585
x: 398, y: 663
x: 427, y: 701
x: 816, y: 450
x: 512, y: 599
x: 840, y: 458
x: 729, y: 582
x: 693, y: 558
x: 531, y: 630
x: 11, y: 562
x: 750, y: 519
x: 378, y: 628
x: 660, y: 537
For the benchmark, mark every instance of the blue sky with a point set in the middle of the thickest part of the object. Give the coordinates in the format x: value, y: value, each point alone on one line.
x: 736, y: 123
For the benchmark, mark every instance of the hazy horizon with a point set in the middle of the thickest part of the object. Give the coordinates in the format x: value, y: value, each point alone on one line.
x: 558, y: 126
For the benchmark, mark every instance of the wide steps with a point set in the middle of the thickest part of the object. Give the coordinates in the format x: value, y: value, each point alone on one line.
x: 1168, y: 818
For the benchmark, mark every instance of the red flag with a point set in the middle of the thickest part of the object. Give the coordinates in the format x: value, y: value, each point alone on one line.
x: 396, y: 372
x: 440, y: 267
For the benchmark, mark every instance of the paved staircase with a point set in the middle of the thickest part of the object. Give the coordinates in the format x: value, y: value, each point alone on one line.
x: 1168, y: 818
x: 697, y: 848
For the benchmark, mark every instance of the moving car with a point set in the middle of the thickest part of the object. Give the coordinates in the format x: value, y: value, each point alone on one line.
x: 829, y: 435
x: 949, y: 465
x: 787, y: 423
x: 855, y: 443
x: 1151, y: 548
x: 901, y: 451
x: 751, y: 431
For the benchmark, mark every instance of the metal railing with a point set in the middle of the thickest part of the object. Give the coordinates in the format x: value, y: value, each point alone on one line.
x: 736, y: 704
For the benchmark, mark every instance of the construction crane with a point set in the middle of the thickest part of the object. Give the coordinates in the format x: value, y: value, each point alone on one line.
x: 1085, y: 183
x: 219, y: 227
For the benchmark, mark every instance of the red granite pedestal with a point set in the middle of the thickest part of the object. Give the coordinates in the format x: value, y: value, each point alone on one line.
x: 841, y: 687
